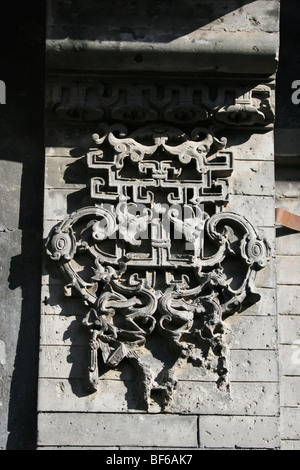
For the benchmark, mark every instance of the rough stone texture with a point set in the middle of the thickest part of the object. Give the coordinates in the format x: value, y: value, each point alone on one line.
x: 239, y: 432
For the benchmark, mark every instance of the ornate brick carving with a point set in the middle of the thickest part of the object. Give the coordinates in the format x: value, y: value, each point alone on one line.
x: 143, y: 102
x: 162, y: 257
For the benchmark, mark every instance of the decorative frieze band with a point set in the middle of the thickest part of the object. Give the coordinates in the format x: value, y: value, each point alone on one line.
x: 225, y: 104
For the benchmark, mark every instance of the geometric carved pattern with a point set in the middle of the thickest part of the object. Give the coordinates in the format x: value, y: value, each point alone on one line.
x: 161, y: 256
x: 130, y: 102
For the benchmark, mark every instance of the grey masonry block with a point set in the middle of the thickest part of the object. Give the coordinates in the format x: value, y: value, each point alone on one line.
x: 253, y: 365
x: 239, y: 432
x: 66, y: 173
x: 290, y: 445
x: 290, y: 391
x: 259, y: 210
x: 206, y: 398
x: 252, y: 332
x: 57, y: 395
x: 288, y: 269
x: 244, y: 365
x: 266, y: 306
x: 69, y: 395
x: 288, y: 299
x: 289, y: 359
x: 109, y: 430
x: 290, y: 418
x: 59, y: 203
x: 289, y: 329
x: 252, y: 178
x: 257, y: 145
x: 287, y: 242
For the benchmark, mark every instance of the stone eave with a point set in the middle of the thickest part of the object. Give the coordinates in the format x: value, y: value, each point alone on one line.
x: 204, y: 52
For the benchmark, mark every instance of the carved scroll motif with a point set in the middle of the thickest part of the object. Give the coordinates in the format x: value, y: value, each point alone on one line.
x: 164, y: 259
x: 237, y: 105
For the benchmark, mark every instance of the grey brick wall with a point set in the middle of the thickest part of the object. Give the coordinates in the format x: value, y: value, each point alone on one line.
x: 201, y: 415
x: 288, y: 270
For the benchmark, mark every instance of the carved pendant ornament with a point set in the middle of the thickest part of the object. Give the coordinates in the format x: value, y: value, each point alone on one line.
x: 161, y: 258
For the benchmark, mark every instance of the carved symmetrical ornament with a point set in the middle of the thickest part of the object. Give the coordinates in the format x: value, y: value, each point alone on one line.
x: 132, y: 102
x: 161, y: 257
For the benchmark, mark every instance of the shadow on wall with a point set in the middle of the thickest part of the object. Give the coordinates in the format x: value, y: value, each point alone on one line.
x: 21, y: 145
x: 135, y: 21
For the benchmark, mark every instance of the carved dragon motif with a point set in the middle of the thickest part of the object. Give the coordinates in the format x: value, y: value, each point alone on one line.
x: 143, y: 286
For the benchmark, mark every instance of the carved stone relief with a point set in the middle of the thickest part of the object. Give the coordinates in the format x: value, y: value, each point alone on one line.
x: 227, y: 104
x: 157, y: 256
